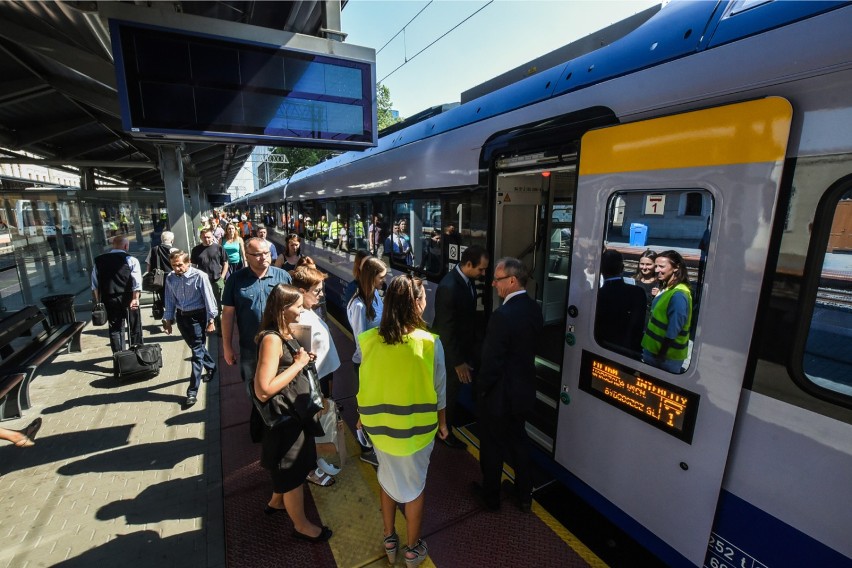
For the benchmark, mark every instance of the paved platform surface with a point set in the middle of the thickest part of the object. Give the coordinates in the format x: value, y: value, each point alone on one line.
x: 121, y: 474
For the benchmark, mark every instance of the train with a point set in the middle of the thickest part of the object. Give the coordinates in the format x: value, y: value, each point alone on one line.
x: 719, y: 129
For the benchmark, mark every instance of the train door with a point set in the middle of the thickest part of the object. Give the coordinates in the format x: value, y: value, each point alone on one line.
x: 534, y: 214
x: 652, y: 442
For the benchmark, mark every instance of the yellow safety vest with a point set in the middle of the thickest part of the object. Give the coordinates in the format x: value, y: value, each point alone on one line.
x: 397, y: 399
x: 659, y: 322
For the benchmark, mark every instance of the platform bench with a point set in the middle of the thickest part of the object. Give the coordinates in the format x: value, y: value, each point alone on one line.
x: 23, y: 349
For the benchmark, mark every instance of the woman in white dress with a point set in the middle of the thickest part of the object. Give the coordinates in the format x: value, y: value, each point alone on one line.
x: 402, y: 401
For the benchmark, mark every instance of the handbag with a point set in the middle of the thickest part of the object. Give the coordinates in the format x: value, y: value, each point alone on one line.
x: 300, y: 400
x: 155, y: 280
x: 99, y: 315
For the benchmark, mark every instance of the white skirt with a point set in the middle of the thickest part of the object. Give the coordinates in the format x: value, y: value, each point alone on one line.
x: 403, y: 478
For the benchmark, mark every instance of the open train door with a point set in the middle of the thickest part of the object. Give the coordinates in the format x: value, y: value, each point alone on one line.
x: 652, y: 445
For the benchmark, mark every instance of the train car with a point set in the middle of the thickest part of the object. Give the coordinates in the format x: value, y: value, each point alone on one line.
x: 720, y: 129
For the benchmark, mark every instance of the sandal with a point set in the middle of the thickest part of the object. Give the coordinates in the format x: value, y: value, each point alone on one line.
x: 393, y: 541
x: 419, y: 551
x: 29, y: 434
x: 321, y: 478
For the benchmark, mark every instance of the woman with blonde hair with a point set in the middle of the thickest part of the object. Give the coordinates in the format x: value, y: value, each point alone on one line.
x: 402, y: 400
x: 364, y: 311
x: 288, y: 450
x: 309, y: 280
x: 234, y: 248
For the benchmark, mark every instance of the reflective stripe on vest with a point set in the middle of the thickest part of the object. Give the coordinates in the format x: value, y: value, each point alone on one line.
x: 396, y: 397
x: 659, y: 322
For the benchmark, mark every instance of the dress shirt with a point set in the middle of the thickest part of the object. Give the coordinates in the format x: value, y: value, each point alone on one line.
x: 189, y: 292
x: 513, y: 294
x: 135, y: 272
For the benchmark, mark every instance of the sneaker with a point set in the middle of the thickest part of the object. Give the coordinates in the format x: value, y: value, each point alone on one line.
x: 370, y: 458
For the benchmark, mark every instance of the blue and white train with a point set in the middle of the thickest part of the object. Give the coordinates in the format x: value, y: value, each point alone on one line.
x: 722, y: 129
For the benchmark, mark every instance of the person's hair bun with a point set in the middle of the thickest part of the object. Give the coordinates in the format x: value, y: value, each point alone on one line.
x: 306, y: 261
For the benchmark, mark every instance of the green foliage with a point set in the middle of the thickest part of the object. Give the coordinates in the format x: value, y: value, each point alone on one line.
x: 384, y: 105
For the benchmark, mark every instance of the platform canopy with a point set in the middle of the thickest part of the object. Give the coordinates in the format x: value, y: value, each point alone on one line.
x: 58, y: 95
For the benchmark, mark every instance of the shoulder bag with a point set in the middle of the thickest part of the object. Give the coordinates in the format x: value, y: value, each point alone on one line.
x: 300, y: 400
x: 155, y: 280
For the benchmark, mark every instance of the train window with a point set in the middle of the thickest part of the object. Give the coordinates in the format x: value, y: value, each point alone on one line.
x: 415, y: 238
x: 357, y: 225
x: 651, y: 275
x: 827, y: 360
x: 465, y: 224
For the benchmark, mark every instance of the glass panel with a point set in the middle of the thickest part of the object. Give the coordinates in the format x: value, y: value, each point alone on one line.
x: 828, y: 358
x: 415, y: 240
x: 651, y: 275
x: 359, y: 216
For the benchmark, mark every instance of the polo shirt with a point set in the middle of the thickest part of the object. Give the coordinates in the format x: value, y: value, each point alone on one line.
x: 247, y: 294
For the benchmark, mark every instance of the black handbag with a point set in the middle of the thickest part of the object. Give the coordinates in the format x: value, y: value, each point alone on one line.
x: 99, y: 315
x: 155, y: 280
x: 300, y: 400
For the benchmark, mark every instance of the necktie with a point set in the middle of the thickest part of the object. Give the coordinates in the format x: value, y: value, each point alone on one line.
x: 472, y: 288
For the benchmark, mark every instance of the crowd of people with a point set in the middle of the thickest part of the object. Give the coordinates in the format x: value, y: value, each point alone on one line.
x: 407, y: 375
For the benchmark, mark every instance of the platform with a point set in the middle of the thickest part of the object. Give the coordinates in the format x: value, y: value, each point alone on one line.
x: 122, y: 475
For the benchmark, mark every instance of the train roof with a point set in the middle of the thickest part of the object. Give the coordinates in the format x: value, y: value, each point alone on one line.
x: 679, y: 29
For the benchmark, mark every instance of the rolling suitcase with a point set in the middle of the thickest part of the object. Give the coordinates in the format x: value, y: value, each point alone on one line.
x: 138, y: 362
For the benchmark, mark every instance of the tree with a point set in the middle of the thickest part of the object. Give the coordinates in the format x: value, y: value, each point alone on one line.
x: 384, y: 108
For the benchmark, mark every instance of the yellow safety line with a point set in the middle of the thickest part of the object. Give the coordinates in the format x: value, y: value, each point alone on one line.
x: 340, y: 326
x: 368, y: 476
x: 563, y: 533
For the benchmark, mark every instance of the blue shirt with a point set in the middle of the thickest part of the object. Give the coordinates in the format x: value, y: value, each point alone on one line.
x: 188, y: 292
x: 247, y: 294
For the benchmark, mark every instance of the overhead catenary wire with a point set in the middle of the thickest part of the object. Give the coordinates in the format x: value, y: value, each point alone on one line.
x: 407, y: 60
x: 402, y: 29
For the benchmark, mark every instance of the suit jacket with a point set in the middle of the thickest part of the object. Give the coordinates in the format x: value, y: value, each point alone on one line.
x: 620, y: 318
x: 455, y: 320
x: 506, y: 382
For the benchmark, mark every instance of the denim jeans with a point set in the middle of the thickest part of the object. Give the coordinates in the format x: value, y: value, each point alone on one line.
x: 192, y: 329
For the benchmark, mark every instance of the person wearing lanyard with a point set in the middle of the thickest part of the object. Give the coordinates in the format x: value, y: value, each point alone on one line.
x: 191, y: 304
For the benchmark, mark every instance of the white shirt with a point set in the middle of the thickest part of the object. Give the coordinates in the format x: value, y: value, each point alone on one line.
x: 321, y: 343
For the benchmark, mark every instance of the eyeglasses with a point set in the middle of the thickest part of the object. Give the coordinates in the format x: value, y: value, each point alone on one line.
x: 496, y: 279
x: 257, y: 254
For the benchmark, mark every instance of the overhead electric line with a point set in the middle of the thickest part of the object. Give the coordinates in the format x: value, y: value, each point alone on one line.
x: 431, y: 44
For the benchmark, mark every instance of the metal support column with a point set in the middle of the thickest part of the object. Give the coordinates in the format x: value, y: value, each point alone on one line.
x: 195, y: 202
x: 171, y: 168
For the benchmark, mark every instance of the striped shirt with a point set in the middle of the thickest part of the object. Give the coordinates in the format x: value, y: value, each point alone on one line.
x: 189, y: 292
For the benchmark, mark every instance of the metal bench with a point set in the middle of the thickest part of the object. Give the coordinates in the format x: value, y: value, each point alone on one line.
x: 22, y: 357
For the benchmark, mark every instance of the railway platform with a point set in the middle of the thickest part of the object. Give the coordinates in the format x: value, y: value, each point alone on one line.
x: 123, y: 475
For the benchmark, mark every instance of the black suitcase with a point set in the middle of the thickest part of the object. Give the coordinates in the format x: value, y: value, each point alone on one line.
x: 139, y: 362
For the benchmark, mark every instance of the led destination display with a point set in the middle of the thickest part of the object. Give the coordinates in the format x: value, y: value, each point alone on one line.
x: 664, y: 405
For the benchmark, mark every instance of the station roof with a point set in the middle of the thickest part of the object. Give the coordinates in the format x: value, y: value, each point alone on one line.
x: 58, y: 97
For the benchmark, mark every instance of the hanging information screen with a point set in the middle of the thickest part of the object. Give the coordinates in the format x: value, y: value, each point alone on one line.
x: 179, y: 85
x: 666, y: 406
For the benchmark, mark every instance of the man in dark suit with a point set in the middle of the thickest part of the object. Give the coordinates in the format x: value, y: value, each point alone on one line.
x: 505, y: 386
x: 455, y: 323
x: 620, y: 319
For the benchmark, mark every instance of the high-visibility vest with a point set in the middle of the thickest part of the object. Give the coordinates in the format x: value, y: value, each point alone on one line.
x: 659, y: 323
x: 397, y: 401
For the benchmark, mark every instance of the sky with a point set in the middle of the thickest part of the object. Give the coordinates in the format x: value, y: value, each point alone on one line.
x: 497, y: 37
x: 501, y: 36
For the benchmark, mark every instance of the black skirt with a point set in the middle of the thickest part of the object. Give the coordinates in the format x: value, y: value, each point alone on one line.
x: 289, y: 453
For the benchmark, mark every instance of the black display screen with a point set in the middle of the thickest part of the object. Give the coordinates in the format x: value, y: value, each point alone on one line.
x: 666, y: 406
x: 179, y: 85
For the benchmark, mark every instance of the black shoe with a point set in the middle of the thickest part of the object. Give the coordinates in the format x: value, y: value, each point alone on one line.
x: 323, y: 536
x: 271, y: 510
x: 370, y: 457
x: 208, y: 375
x: 190, y: 400
x: 452, y: 441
